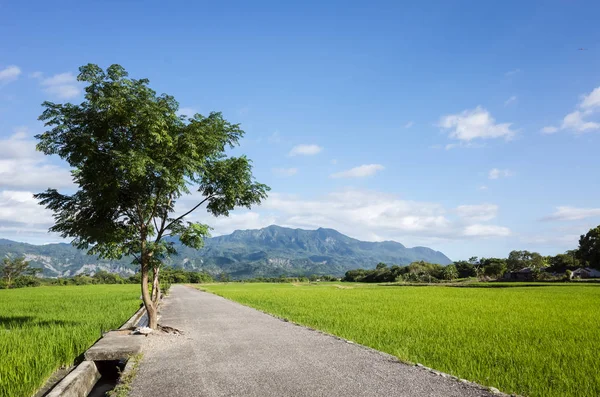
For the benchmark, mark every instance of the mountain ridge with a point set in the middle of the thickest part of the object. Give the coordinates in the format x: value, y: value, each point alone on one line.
x: 269, y: 252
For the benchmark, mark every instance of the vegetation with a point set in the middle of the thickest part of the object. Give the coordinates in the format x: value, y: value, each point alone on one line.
x: 535, y: 341
x: 269, y: 252
x: 42, y: 329
x: 589, y: 248
x: 133, y: 157
x: 16, y: 271
x: 169, y: 276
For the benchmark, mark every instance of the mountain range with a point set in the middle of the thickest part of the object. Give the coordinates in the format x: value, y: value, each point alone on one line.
x: 268, y: 252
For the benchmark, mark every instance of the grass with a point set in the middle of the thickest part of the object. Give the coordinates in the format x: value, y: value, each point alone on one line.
x: 123, y: 388
x: 535, y: 341
x: 42, y: 329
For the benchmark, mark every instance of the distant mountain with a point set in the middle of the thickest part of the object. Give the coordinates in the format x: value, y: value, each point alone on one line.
x: 271, y: 251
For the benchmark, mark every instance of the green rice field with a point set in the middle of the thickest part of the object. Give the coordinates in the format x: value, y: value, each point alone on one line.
x: 44, y: 328
x: 532, y: 340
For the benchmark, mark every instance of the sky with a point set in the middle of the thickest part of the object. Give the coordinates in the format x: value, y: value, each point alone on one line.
x: 469, y: 127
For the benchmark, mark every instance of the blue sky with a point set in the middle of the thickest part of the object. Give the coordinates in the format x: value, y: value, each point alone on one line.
x: 469, y: 127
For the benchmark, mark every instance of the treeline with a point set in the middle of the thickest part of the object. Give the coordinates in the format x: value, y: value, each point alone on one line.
x: 16, y: 273
x: 542, y: 267
x: 538, y: 267
x: 415, y: 272
x: 285, y: 279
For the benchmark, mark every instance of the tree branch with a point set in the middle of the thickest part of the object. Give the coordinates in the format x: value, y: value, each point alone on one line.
x: 189, y: 212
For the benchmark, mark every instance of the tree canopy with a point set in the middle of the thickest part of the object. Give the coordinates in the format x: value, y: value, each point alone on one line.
x: 133, y: 157
x: 589, y: 248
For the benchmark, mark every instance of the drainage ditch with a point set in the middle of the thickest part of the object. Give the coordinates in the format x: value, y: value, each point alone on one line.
x: 110, y: 372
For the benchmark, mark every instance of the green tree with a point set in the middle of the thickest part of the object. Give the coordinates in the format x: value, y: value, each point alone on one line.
x: 450, y: 272
x: 589, y: 248
x: 13, y: 268
x: 133, y: 157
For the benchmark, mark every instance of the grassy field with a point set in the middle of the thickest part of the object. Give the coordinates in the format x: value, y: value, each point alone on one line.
x: 44, y: 328
x: 535, y: 341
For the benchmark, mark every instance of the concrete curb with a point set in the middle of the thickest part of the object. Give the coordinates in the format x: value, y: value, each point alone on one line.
x: 78, y: 383
x: 132, y: 322
x: 81, y: 380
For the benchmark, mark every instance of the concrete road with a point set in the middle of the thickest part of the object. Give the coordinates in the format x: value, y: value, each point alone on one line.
x: 232, y: 350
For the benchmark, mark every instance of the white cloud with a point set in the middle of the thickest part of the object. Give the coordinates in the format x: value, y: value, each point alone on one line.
x: 482, y: 187
x: 360, y: 171
x: 478, y: 230
x: 585, y: 118
x: 513, y: 72
x: 362, y: 214
x: 511, y: 100
x: 9, y: 73
x: 237, y: 221
x: 476, y: 123
x: 549, y: 130
x: 189, y: 112
x: 285, y: 171
x: 592, y: 100
x: 496, y: 173
x: 566, y: 213
x: 575, y: 121
x: 36, y: 75
x: 22, y: 167
x: 477, y: 213
x: 305, y: 150
x: 62, y: 86
x: 409, y: 124
x: 20, y: 208
x: 466, y: 145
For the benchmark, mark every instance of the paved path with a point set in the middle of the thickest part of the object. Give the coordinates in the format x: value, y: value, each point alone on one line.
x: 232, y: 350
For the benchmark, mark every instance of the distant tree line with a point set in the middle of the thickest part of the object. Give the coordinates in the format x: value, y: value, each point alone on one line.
x: 17, y: 273
x: 541, y: 267
x: 292, y: 279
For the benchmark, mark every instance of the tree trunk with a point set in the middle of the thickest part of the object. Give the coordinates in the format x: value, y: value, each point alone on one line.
x: 155, y: 286
x: 151, y: 309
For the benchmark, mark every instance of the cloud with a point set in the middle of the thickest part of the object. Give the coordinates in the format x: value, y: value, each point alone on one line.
x: 511, y: 100
x: 36, y: 75
x: 9, y: 73
x: 482, y: 187
x: 549, y: 130
x: 189, y: 112
x: 19, y: 207
x: 62, y: 86
x: 575, y: 121
x: 476, y: 123
x: 359, y: 172
x: 566, y: 213
x: 592, y: 100
x: 305, y: 150
x: 22, y: 167
x: 512, y: 73
x: 496, y: 173
x: 585, y: 118
x: 477, y: 213
x: 478, y: 230
x: 465, y: 145
x: 285, y: 171
x: 409, y: 124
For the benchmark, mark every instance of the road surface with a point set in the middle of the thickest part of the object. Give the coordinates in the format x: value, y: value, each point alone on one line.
x: 228, y: 349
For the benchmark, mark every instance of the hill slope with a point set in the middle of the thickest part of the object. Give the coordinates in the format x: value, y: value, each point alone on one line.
x: 271, y: 251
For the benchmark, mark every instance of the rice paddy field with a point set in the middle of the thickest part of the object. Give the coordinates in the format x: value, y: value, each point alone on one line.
x: 42, y: 329
x: 531, y: 340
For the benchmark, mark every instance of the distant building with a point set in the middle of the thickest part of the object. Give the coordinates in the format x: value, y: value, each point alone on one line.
x: 586, y: 272
x: 525, y: 274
